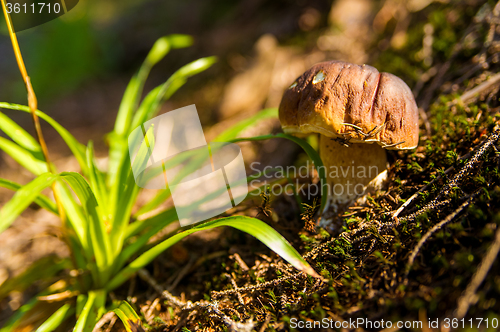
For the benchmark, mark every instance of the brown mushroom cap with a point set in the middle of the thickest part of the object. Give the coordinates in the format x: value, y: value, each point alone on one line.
x: 331, y: 94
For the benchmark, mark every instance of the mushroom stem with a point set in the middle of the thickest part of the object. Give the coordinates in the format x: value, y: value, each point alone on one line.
x: 351, y: 171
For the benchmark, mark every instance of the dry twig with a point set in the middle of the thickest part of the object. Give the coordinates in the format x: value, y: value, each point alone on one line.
x: 211, y: 307
x: 481, y: 88
x: 434, y: 229
x: 271, y: 283
x: 424, y: 188
x: 454, y: 181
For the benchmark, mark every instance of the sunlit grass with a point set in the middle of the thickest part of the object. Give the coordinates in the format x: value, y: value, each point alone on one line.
x: 107, y: 243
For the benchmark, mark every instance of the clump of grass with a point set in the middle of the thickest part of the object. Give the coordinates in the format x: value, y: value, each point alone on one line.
x: 108, y: 244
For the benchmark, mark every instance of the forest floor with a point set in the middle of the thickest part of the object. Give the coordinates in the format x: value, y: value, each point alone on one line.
x: 431, y: 259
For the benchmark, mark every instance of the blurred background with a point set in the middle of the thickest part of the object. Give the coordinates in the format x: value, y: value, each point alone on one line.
x: 80, y: 63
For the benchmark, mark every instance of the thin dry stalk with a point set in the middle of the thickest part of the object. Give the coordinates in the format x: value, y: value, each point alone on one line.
x: 211, y: 307
x: 424, y: 188
x: 182, y: 273
x: 241, y: 262
x: 32, y: 103
x: 455, y: 181
x: 271, y: 283
x: 235, y: 285
x: 149, y: 313
x: 432, y: 205
x: 111, y: 323
x: 492, y: 138
x: 106, y: 318
x: 433, y: 230
x: 266, y: 323
x: 481, y: 88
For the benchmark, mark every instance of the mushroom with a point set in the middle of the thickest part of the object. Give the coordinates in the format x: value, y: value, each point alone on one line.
x: 358, y: 113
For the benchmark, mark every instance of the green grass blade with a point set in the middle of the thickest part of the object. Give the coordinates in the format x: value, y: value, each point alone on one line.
x: 23, y: 157
x: 23, y: 198
x: 126, y: 191
x: 42, y: 200
x: 161, y: 197
x: 165, y: 194
x: 122, y: 216
x: 171, y: 163
x: 153, y: 100
x: 77, y: 224
x: 150, y: 226
x: 139, y: 226
x: 130, y: 101
x: 148, y: 109
x: 74, y: 212
x: 122, y: 194
x: 57, y: 318
x: 255, y: 227
x: 135, y: 87
x: 131, y: 97
x: 19, y: 315
x: 18, y: 134
x: 251, y: 122
x: 86, y: 321
x: 89, y: 314
x: 129, y: 317
x: 96, y: 180
x: 76, y: 147
x: 42, y: 269
x: 78, y: 221
x: 81, y: 299
x: 119, y: 160
x: 98, y: 238
x: 78, y: 253
x: 179, y: 40
x: 313, y: 154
